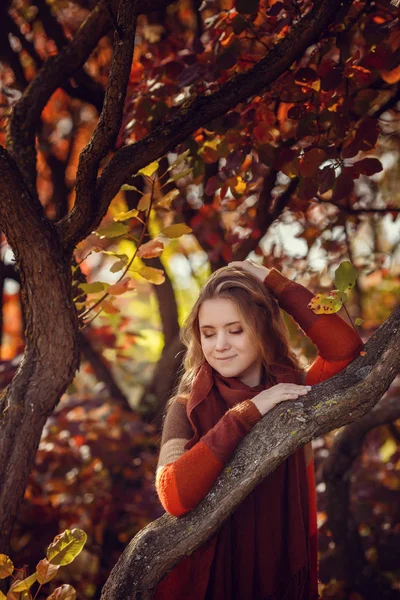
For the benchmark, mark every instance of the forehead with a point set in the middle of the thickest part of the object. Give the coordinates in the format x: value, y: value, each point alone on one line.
x: 218, y: 311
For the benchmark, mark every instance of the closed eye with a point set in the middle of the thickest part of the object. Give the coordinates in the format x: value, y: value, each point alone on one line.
x: 233, y: 332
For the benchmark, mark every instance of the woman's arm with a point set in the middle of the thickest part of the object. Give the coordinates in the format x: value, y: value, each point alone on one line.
x: 337, y: 342
x: 184, y: 477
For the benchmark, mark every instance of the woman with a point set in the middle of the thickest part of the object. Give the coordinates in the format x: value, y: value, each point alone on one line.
x: 237, y: 367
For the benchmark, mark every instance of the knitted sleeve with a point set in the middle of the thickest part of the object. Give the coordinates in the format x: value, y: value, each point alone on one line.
x: 184, y: 477
x: 337, y: 342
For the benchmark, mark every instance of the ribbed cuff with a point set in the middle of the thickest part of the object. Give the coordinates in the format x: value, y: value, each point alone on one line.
x: 276, y: 282
x: 248, y: 412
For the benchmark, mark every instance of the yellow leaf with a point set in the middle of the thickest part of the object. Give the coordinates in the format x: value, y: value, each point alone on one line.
x: 166, y: 200
x: 240, y: 186
x: 2, y: 596
x: 155, y: 276
x: 6, y: 566
x: 144, y: 202
x: 325, y: 305
x: 124, y: 216
x: 45, y: 571
x: 149, y: 170
x: 150, y: 249
x: 66, y: 546
x: 24, y: 585
x: 388, y: 449
x: 176, y: 230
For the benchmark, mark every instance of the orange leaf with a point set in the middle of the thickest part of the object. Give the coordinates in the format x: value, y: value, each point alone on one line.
x: 392, y: 76
x: 121, y: 287
x: 150, y: 249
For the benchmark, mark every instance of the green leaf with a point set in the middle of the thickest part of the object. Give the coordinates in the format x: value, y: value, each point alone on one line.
x: 176, y: 230
x: 112, y: 230
x: 345, y: 277
x: 246, y: 7
x: 118, y: 266
x: 24, y: 585
x: 130, y: 188
x: 66, y: 547
x: 92, y: 288
x: 149, y: 170
x: 359, y: 321
x: 179, y: 175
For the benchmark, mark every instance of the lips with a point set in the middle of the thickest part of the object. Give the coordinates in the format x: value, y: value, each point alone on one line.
x: 228, y: 358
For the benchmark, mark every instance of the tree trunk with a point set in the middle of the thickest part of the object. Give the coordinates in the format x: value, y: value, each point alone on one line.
x: 158, y: 547
x: 51, y: 354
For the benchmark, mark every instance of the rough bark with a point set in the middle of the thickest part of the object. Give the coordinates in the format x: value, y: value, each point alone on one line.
x: 359, y: 574
x: 51, y: 355
x: 331, y: 404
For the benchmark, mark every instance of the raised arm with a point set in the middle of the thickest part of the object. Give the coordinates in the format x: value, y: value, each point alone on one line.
x: 184, y: 477
x: 337, y: 342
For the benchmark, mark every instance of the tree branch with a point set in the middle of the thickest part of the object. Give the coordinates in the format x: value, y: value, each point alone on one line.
x: 22, y: 125
x: 331, y: 404
x: 264, y: 216
x: 202, y: 109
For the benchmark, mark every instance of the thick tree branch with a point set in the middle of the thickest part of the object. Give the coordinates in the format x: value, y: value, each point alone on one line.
x: 109, y: 123
x: 346, y: 447
x: 197, y: 113
x: 26, y: 114
x: 331, y: 404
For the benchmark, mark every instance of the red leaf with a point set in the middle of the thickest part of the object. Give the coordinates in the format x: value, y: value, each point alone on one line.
x: 332, y: 80
x: 344, y: 185
x: 368, y: 166
x: 326, y: 179
x: 311, y: 161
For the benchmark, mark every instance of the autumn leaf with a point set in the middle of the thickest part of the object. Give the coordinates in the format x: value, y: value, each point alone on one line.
x: 64, y: 592
x: 165, y: 201
x: 112, y: 230
x: 45, y: 571
x: 325, y: 305
x: 24, y: 584
x: 155, y: 276
x: 125, y: 285
x: 66, y: 546
x: 124, y: 216
x: 150, y: 249
x: 6, y: 566
x: 149, y: 170
x: 176, y: 230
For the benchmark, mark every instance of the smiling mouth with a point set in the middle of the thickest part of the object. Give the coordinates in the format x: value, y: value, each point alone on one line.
x: 228, y: 358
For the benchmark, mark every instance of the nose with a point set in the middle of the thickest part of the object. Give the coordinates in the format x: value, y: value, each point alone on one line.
x: 222, y: 342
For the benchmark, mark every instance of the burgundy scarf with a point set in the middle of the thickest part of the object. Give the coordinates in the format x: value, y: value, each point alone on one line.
x: 261, y: 551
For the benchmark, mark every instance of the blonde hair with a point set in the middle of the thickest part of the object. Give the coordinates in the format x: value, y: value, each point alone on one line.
x: 260, y: 315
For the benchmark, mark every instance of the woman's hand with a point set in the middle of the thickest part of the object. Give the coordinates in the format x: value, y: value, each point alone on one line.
x: 267, y: 399
x: 251, y: 267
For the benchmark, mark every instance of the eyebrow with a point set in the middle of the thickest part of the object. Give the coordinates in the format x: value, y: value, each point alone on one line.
x: 212, y: 326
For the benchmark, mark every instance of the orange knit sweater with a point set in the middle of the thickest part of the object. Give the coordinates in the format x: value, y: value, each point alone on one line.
x: 184, y: 477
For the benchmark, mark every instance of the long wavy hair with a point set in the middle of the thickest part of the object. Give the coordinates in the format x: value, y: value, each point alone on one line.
x: 259, y: 313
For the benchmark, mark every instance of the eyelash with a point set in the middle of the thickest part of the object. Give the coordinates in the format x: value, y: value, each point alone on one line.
x: 233, y: 332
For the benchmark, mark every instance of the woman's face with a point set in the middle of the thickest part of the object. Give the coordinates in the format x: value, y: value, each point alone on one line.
x: 226, y: 345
